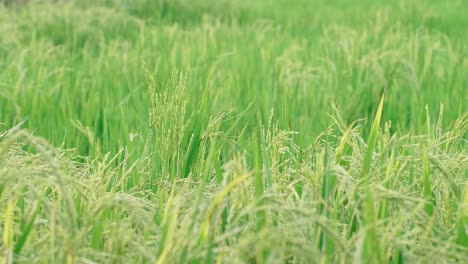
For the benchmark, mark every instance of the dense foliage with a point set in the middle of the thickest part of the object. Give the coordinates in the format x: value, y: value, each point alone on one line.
x: 270, y: 131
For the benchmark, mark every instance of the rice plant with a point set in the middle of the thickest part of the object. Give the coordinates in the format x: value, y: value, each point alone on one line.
x: 233, y: 132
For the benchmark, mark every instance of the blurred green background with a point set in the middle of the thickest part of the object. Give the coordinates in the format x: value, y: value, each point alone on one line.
x: 66, y: 67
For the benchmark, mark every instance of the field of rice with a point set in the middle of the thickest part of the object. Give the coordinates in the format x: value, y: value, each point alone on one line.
x: 234, y: 131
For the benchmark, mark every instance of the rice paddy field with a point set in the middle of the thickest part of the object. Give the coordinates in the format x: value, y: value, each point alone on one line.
x: 234, y: 131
